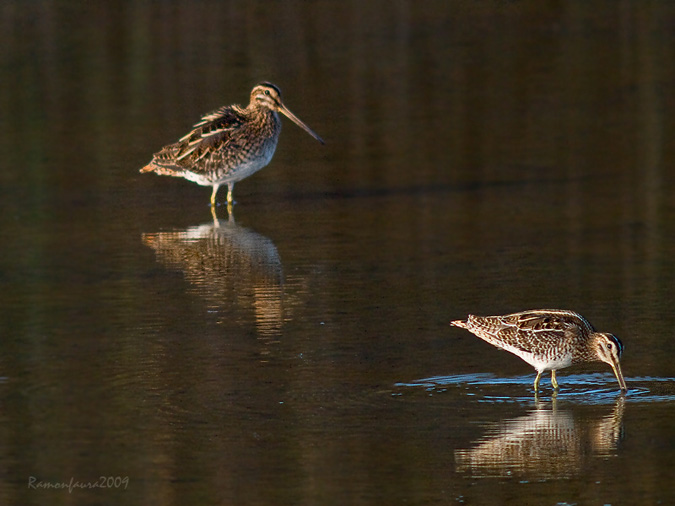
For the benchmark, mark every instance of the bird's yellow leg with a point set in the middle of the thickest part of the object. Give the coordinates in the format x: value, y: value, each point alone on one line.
x: 230, y: 187
x: 553, y: 380
x: 213, y: 195
x: 536, y: 381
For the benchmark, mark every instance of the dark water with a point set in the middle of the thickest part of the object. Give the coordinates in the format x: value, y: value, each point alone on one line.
x: 482, y: 157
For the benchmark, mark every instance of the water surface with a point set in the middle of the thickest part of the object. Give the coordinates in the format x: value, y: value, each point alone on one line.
x: 484, y: 158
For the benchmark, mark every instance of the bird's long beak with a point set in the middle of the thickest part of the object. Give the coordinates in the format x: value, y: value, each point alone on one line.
x: 284, y: 110
x: 616, y: 366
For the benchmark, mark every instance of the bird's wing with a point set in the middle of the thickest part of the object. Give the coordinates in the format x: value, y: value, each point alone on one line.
x: 520, y: 330
x: 202, y: 145
x: 544, y: 320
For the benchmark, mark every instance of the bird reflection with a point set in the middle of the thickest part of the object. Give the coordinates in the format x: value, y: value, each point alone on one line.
x: 545, y: 443
x: 232, y: 267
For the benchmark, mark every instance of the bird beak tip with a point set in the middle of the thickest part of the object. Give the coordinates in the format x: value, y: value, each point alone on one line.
x: 619, y: 376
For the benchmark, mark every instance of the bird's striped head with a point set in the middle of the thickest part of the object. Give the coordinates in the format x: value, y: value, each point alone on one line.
x: 269, y: 96
x: 608, y: 348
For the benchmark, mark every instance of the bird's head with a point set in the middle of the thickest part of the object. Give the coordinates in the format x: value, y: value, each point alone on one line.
x: 608, y: 348
x: 268, y: 95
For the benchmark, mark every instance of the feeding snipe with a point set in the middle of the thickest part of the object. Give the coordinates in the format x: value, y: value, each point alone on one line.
x: 228, y: 144
x: 548, y: 340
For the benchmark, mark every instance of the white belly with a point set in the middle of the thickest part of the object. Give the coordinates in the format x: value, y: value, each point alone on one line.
x: 238, y: 172
x: 539, y: 363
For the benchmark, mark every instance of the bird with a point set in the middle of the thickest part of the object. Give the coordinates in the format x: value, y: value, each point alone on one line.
x: 548, y: 340
x: 228, y: 144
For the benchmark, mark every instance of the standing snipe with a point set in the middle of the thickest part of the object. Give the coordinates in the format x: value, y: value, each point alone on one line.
x: 548, y: 339
x: 228, y: 144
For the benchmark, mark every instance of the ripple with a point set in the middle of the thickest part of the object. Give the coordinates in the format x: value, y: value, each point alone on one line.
x: 595, y: 388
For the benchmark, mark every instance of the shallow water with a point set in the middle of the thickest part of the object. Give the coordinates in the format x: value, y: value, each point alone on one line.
x: 482, y: 159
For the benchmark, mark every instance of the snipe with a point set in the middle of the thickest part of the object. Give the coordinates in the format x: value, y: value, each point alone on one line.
x: 228, y: 144
x: 548, y: 340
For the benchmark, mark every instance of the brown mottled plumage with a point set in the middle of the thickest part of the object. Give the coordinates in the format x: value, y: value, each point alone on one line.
x: 548, y: 339
x: 228, y: 144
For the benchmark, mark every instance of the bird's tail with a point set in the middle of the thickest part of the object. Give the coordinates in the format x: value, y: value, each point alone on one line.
x: 161, y: 170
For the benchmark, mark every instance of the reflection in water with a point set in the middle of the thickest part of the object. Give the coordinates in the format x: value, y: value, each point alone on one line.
x: 543, y: 444
x: 232, y: 267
